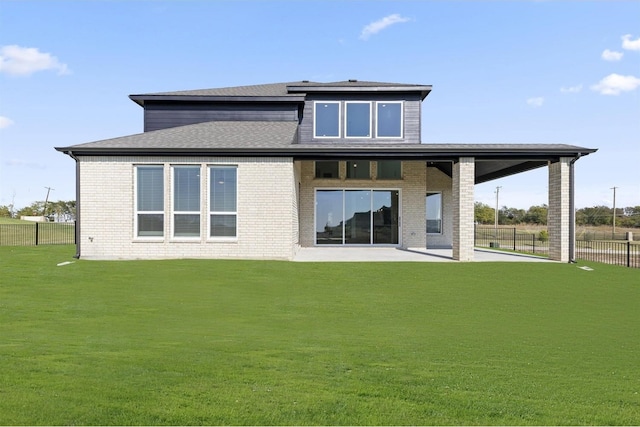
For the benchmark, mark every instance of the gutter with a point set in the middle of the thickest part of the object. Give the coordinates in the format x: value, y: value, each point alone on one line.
x: 70, y: 153
x: 572, y: 211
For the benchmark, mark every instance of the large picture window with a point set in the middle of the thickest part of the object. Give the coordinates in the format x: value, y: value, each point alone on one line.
x: 357, y: 217
x: 150, y: 201
x: 358, y: 120
x: 434, y: 213
x: 327, y: 120
x: 186, y: 201
x: 223, y: 210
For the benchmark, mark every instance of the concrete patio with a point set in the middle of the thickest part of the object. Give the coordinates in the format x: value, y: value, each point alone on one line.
x: 377, y: 254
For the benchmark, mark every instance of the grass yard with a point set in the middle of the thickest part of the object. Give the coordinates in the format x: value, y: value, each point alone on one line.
x: 279, y: 343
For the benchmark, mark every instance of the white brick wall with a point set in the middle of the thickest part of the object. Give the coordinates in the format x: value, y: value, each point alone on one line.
x: 558, y: 215
x: 266, y: 200
x: 463, y: 208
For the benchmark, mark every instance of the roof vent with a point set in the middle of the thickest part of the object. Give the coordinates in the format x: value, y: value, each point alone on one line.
x: 305, y: 81
x: 352, y: 80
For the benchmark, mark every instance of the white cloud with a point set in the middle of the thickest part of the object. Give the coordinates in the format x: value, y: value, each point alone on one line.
x: 5, y: 122
x: 23, y: 61
x: 571, y: 89
x: 629, y: 44
x: 611, y: 55
x: 615, y: 84
x: 377, y: 26
x: 536, y: 102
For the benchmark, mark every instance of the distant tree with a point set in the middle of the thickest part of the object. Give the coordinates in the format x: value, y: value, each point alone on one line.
x: 594, y: 216
x: 484, y: 214
x: 6, y: 211
x: 511, y: 216
x: 536, y: 215
x: 34, y: 209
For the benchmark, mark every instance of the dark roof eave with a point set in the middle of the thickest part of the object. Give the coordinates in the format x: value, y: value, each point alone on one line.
x: 423, y: 90
x: 141, y: 99
x: 331, y: 152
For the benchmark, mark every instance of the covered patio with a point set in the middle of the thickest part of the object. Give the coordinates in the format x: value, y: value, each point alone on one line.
x: 388, y: 254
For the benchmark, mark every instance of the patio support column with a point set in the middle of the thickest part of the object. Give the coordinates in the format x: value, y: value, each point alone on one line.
x: 559, y: 209
x: 463, y: 208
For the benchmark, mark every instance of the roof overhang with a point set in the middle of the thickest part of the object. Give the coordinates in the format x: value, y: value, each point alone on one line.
x: 142, y: 99
x: 423, y: 90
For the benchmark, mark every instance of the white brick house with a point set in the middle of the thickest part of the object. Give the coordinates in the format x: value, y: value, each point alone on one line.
x: 259, y: 171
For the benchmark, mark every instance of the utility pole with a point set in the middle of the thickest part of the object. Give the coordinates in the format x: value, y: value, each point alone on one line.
x: 614, y: 212
x: 497, y: 204
x: 44, y: 210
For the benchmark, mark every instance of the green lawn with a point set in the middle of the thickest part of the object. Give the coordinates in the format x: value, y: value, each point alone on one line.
x: 246, y: 342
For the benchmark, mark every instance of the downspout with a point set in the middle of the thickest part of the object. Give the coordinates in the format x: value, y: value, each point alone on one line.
x: 572, y: 211
x: 70, y: 153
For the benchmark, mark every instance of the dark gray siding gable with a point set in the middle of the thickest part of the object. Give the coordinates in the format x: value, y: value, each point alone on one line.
x: 164, y: 115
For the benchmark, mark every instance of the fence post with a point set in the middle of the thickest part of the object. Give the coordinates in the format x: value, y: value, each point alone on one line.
x: 514, y: 239
x: 36, y: 234
x: 533, y: 239
x: 628, y: 253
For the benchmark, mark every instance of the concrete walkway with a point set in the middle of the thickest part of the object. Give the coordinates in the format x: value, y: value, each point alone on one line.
x: 376, y: 254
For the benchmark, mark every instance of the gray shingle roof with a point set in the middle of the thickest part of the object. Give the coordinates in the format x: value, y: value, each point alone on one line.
x: 202, y: 136
x: 280, y: 139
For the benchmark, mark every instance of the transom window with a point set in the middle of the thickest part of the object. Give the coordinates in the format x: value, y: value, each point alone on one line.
x: 327, y: 169
x: 358, y: 169
x: 389, y: 169
x: 149, y: 201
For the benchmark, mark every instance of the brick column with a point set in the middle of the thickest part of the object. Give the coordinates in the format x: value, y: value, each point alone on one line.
x: 463, y: 208
x: 558, y: 219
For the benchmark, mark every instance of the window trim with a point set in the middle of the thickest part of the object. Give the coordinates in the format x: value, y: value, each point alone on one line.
x: 137, y: 212
x: 173, y: 211
x: 211, y: 238
x: 439, y: 233
x: 315, y: 121
x: 346, y: 119
x: 401, y: 120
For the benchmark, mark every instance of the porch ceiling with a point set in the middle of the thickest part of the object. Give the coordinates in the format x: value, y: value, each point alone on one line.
x: 488, y: 170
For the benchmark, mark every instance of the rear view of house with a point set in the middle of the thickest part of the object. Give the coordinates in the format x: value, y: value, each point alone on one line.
x: 260, y: 171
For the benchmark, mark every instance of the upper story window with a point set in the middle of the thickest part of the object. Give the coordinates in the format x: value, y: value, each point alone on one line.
x: 389, y: 119
x: 358, y: 120
x: 327, y: 120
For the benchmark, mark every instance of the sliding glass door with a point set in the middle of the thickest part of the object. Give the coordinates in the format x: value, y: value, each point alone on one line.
x: 357, y: 217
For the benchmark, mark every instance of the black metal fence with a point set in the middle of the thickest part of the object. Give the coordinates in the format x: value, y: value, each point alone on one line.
x: 38, y: 233
x: 608, y: 251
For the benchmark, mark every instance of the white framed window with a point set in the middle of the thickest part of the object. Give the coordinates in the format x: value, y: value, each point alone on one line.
x: 186, y: 201
x: 357, y: 119
x: 389, y: 119
x: 326, y: 123
x: 434, y: 212
x: 223, y: 201
x: 149, y: 201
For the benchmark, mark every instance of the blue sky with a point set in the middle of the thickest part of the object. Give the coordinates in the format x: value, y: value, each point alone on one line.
x: 502, y: 72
